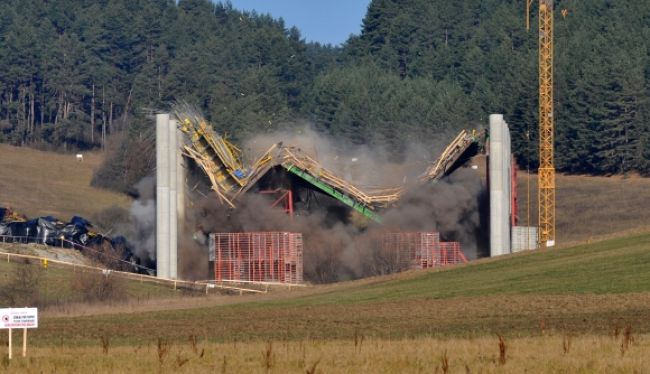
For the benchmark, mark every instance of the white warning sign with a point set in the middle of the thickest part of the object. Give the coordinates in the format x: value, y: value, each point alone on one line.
x: 18, y: 318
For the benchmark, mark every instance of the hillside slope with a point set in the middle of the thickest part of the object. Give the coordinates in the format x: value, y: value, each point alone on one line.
x: 591, y: 208
x: 582, y: 290
x: 37, y: 183
x: 588, y: 208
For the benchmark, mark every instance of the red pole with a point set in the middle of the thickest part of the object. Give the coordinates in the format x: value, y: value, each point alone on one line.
x: 290, y: 198
x: 217, y: 263
x: 231, y: 262
x: 238, y: 259
x: 271, y: 272
x: 281, y: 260
x: 462, y: 255
x: 282, y: 252
x: 443, y: 249
x: 514, y: 218
x: 250, y: 257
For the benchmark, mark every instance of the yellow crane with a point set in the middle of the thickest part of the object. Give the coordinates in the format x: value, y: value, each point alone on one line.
x: 546, y: 172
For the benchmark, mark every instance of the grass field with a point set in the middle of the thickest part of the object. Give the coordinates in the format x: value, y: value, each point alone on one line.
x: 539, y: 354
x: 582, y: 309
x: 37, y: 183
x: 587, y: 289
x: 57, y: 287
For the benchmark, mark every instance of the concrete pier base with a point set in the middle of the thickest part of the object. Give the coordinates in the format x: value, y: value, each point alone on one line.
x: 500, y: 164
x: 170, y: 183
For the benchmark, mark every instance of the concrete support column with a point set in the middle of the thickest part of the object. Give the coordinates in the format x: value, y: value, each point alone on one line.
x: 162, y: 196
x: 173, y: 199
x: 180, y: 198
x: 500, y: 189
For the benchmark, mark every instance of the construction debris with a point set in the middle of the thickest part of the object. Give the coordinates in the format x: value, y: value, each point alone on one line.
x: 77, y: 234
x: 222, y: 163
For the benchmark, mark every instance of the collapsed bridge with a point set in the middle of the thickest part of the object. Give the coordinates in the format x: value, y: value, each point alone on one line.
x: 186, y: 135
x: 230, y: 178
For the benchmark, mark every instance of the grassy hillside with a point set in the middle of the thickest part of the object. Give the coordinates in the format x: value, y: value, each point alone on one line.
x: 60, y: 286
x: 586, y: 289
x: 617, y: 266
x: 590, y: 208
x: 582, y: 309
x: 38, y: 183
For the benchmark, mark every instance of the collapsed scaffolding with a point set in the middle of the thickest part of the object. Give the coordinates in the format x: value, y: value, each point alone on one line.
x: 277, y: 256
x: 230, y: 178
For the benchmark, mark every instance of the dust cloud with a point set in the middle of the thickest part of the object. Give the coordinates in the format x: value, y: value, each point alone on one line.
x: 339, y: 244
x: 138, y: 224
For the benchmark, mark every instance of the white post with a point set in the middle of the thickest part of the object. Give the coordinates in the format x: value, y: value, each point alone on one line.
x: 10, y: 344
x: 24, y: 342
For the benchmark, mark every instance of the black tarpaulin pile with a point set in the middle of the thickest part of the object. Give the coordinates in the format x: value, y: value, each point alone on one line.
x: 76, y: 234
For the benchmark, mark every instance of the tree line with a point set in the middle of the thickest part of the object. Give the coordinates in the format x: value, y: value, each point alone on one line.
x: 76, y: 72
x: 481, y: 49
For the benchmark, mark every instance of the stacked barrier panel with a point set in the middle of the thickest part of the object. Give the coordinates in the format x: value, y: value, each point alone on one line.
x: 449, y: 253
x: 418, y: 250
x: 258, y: 257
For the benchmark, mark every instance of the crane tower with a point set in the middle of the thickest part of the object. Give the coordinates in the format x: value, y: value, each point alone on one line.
x: 546, y: 172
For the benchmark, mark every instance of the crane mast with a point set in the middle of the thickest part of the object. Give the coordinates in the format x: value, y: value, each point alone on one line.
x: 546, y: 171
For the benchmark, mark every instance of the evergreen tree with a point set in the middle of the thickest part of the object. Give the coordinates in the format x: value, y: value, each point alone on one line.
x: 78, y: 71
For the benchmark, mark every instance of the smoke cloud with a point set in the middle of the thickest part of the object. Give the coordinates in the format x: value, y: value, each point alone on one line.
x: 339, y: 243
x: 143, y: 218
x: 138, y: 224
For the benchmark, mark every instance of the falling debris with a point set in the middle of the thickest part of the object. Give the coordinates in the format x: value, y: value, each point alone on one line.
x: 230, y: 178
x: 301, y: 183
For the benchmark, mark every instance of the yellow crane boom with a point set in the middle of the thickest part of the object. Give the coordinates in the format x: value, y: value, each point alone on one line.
x: 546, y: 172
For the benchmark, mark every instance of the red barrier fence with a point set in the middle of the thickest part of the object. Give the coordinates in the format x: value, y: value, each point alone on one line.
x: 421, y: 250
x: 257, y: 257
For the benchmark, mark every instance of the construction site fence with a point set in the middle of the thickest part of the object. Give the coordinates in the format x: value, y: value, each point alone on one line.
x: 272, y: 257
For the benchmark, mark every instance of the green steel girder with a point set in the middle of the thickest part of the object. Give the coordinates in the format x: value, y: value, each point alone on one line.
x: 345, y: 199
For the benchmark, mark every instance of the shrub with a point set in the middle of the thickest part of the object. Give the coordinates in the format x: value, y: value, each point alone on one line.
x: 99, y: 287
x: 22, y: 288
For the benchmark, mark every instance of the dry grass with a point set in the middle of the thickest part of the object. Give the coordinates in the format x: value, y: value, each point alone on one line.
x: 592, y: 208
x: 590, y: 289
x: 37, y: 183
x: 63, y: 289
x: 517, y: 315
x: 539, y: 354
